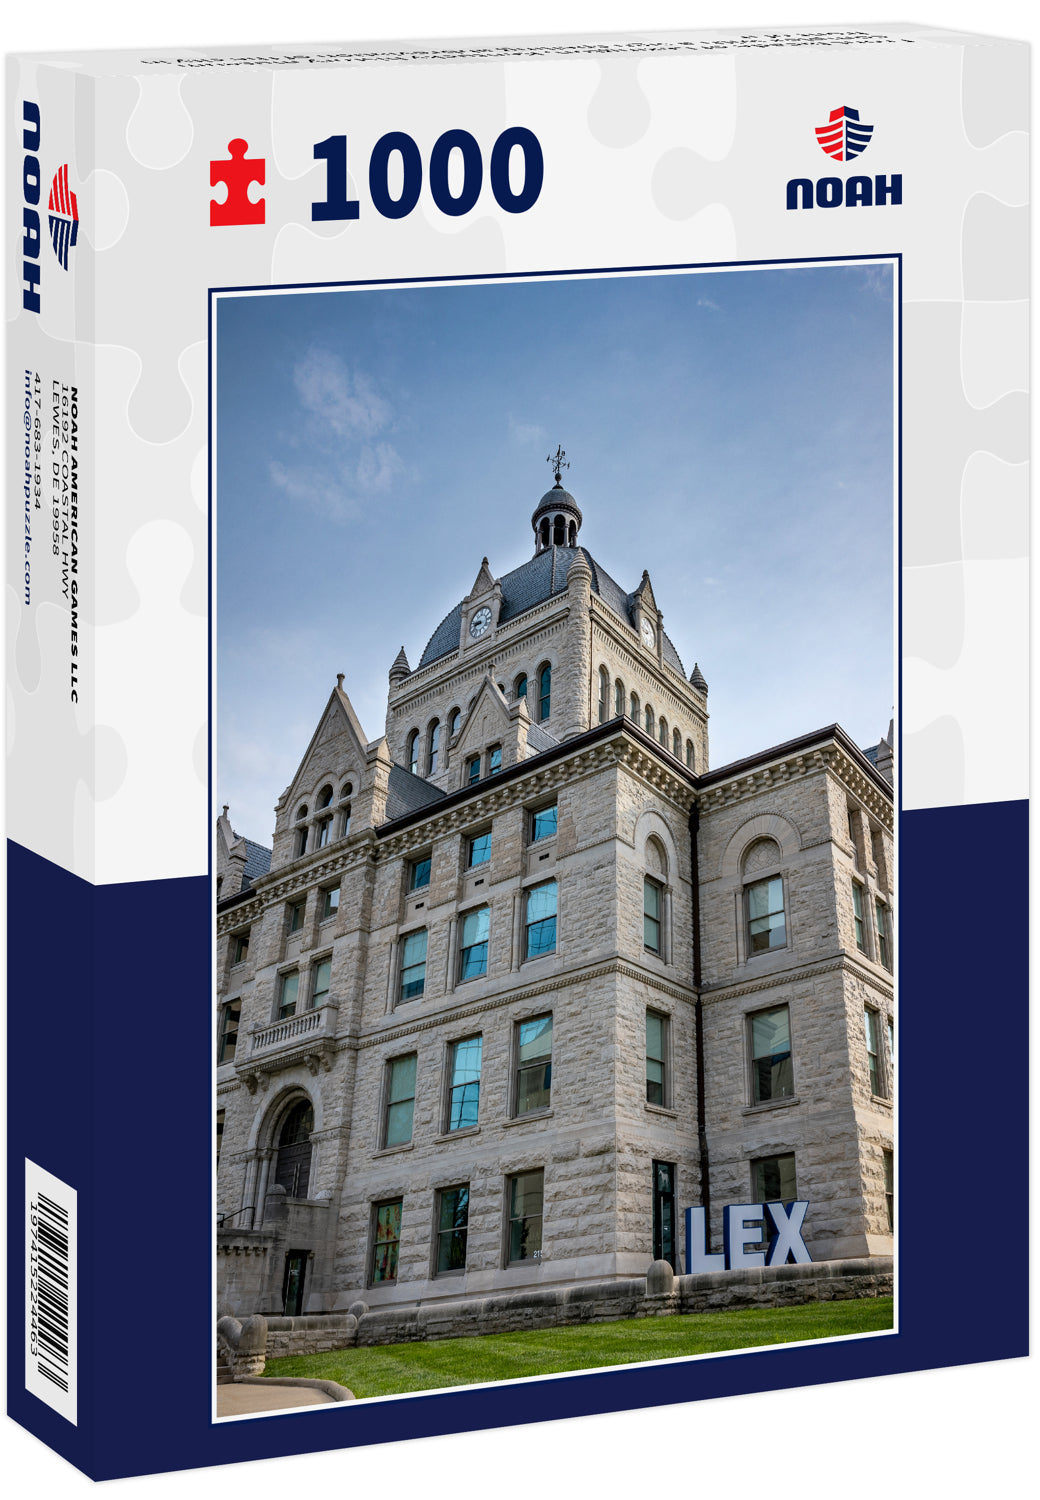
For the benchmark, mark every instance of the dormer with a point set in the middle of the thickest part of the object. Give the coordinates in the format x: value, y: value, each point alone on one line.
x: 493, y: 736
x: 480, y: 609
x: 648, y: 619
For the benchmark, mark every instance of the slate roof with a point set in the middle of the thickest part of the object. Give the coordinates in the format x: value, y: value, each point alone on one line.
x: 540, y: 739
x: 536, y: 580
x: 870, y: 752
x: 258, y: 862
x: 408, y: 793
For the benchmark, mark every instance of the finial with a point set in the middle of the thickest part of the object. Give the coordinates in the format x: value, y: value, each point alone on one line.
x: 226, y: 805
x: 339, y: 680
x: 557, y: 461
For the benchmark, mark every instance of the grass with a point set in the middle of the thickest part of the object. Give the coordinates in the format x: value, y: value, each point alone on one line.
x: 391, y: 1369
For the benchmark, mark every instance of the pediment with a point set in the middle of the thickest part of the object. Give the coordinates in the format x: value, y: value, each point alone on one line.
x: 644, y: 595
x: 337, y: 742
x: 488, y: 718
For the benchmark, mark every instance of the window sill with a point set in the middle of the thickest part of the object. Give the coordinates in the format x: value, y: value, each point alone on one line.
x: 394, y: 1150
x: 661, y: 1109
x: 454, y: 1135
x: 534, y: 1114
x: 881, y: 1099
x: 767, y: 1104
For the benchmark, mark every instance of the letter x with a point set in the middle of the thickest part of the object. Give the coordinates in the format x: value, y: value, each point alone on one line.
x: 788, y: 1239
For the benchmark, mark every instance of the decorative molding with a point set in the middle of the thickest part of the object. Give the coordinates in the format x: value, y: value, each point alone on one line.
x: 840, y: 961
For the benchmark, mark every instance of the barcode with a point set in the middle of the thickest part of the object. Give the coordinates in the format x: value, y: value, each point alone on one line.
x: 50, y: 1290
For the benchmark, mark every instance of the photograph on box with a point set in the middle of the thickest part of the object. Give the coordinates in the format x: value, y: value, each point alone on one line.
x: 555, y: 875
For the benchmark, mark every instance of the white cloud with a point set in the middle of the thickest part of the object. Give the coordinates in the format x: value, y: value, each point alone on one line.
x: 340, y: 398
x: 527, y: 434
x: 707, y: 302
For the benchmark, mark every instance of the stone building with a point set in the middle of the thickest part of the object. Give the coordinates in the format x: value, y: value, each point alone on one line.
x: 526, y: 977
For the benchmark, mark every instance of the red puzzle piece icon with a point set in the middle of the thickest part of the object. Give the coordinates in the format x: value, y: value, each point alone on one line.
x: 237, y: 173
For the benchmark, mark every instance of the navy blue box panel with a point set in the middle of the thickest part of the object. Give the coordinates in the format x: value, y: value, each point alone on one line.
x: 111, y: 1037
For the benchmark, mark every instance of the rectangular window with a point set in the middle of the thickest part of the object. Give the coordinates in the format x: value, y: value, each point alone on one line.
x: 473, y: 952
x: 296, y: 912
x: 772, y: 1181
x: 767, y: 927
x: 877, y: 1077
x: 772, y: 1072
x: 526, y: 1196
x: 543, y: 823
x: 329, y: 903
x: 890, y: 1197
x: 229, y: 1032
x: 656, y: 1038
x: 452, y: 1225
x: 220, y: 1132
x: 480, y: 849
x: 664, y: 1211
x: 474, y: 769
x: 534, y: 1064
x: 464, y: 1099
x: 890, y: 1027
x: 494, y: 759
x: 651, y: 915
x: 324, y: 833
x: 322, y: 982
x: 400, y: 1100
x: 540, y: 920
x: 882, y: 933
x: 289, y: 994
x: 413, y: 965
x: 420, y: 875
x: 857, y: 916
x: 241, y: 952
x: 387, y: 1241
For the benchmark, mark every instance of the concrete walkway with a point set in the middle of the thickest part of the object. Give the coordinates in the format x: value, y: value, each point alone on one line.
x: 239, y: 1400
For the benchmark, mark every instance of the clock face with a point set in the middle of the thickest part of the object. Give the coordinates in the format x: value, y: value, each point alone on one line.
x: 648, y: 634
x: 480, y: 622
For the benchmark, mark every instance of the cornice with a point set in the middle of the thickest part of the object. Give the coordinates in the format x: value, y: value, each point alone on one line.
x: 470, y: 1010
x: 840, y: 961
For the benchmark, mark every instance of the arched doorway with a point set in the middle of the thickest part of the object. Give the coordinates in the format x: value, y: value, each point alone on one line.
x: 293, y: 1170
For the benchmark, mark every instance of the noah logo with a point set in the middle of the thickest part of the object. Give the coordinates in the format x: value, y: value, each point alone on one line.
x: 843, y: 136
x: 62, y: 215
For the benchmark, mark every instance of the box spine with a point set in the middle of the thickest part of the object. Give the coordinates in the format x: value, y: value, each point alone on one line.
x: 49, y: 771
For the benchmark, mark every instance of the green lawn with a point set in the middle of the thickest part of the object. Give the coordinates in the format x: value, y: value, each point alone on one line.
x: 392, y: 1368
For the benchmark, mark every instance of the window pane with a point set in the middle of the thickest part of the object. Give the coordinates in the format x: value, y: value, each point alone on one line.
x: 521, y: 688
x: 331, y: 903
x: 480, y: 849
x: 474, y: 943
x: 474, y: 768
x: 402, y: 1078
x: 543, y: 823
x: 775, y: 1180
x: 421, y: 873
x: 654, y: 1034
x: 465, y: 1083
x: 322, y: 981
x: 525, y: 1216
x: 772, y: 1069
x: 765, y: 897
x: 401, y: 1100
x: 388, y: 1235
x: 495, y: 760
x: 541, y: 901
x: 535, y: 1038
x: 290, y: 986
x: 452, y: 1228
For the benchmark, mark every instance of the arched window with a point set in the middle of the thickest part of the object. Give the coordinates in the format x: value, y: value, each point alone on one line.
x: 604, y: 694
x: 559, y: 536
x: 677, y: 744
x: 301, y: 831
x: 690, y: 756
x: 434, y: 746
x: 521, y: 686
x: 294, y: 1150
x: 544, y: 531
x: 545, y: 691
x: 572, y: 534
x: 344, y: 809
x: 325, y: 796
x: 619, y: 699
x: 648, y: 719
x: 412, y: 754
x: 455, y: 721
x: 764, y: 897
x: 662, y: 732
x: 633, y: 707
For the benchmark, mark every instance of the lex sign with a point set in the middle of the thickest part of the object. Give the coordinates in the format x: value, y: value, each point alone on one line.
x: 747, y: 1224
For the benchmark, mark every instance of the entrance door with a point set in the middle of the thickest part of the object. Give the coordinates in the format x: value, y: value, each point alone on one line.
x: 664, y: 1212
x: 293, y: 1169
x: 292, y: 1283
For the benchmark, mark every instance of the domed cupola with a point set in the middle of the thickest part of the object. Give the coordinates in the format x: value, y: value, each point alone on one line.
x: 557, y: 519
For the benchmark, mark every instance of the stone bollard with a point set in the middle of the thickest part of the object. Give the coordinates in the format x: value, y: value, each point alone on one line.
x: 251, y: 1354
x: 660, y: 1279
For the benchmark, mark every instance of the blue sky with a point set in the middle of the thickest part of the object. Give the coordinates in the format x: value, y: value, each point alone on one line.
x: 729, y: 431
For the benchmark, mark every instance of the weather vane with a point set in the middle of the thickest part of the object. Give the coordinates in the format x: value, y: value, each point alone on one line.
x: 557, y: 461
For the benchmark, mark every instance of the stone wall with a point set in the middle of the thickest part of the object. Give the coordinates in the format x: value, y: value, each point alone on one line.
x: 590, y: 1302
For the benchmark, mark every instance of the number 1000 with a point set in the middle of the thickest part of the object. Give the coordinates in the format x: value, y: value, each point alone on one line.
x: 336, y: 205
